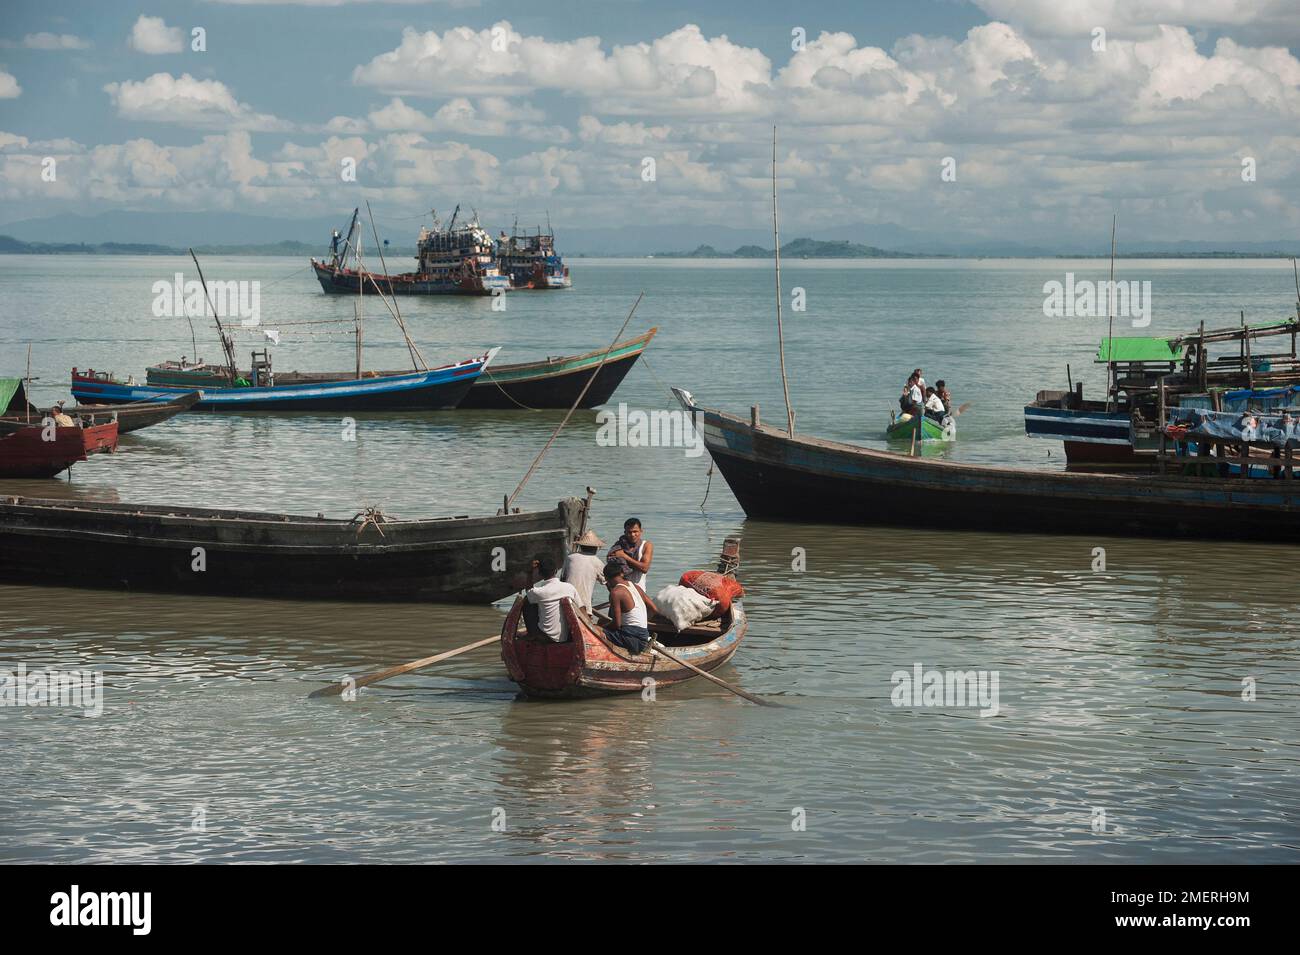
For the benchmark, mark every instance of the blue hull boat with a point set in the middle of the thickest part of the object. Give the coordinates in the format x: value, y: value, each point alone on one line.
x: 433, y: 390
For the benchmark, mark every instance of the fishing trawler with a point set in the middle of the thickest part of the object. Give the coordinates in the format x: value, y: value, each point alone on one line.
x: 531, y: 261
x: 455, y: 260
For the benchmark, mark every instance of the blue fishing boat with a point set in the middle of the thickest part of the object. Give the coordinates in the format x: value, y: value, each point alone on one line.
x: 432, y: 389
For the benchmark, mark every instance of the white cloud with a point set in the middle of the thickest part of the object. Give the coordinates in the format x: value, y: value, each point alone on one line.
x: 152, y: 35
x: 186, y: 101
x: 1130, y: 18
x: 682, y: 71
x: 55, y: 41
x: 9, y: 88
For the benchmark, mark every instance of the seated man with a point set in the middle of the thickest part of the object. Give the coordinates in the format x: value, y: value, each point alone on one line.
x: 629, y: 608
x: 934, y: 405
x: 913, y: 396
x: 61, y: 420
x: 582, y: 568
x: 545, y: 621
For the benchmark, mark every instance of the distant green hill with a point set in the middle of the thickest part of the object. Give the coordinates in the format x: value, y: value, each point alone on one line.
x: 798, y: 249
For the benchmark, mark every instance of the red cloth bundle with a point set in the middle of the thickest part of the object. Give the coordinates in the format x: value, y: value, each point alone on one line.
x: 715, y: 586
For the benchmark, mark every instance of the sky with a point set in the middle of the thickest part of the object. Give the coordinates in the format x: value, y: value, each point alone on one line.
x: 1028, y: 118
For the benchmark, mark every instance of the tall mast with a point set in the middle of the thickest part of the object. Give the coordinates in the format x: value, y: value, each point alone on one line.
x: 227, y: 344
x: 780, y: 335
x: 1110, y: 331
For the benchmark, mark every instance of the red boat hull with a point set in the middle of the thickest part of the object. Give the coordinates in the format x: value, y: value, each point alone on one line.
x: 26, y: 454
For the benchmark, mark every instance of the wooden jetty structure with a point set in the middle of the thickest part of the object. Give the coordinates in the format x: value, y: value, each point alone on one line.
x: 1122, y: 429
x: 245, y: 553
x: 590, y: 665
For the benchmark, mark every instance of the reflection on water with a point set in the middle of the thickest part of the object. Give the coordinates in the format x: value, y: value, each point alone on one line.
x: 1121, y: 688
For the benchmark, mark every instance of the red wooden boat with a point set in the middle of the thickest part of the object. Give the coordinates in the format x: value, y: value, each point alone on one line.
x: 26, y: 454
x: 589, y: 665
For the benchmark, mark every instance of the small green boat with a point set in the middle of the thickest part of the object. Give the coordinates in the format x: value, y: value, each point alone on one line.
x: 904, y: 426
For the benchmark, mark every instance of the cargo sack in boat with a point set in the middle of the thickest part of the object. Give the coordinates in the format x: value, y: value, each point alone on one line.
x: 684, y: 606
x: 715, y: 586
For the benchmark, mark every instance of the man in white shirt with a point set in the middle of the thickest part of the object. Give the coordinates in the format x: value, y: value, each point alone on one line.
x: 934, y: 407
x: 546, y: 595
x: 583, y: 568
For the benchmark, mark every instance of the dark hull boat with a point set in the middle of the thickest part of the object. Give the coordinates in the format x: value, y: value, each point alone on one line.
x: 557, y: 382
x: 131, y: 417
x: 552, y: 383
x: 203, y: 551
x: 779, y: 477
x: 589, y: 665
x: 25, y: 453
x: 345, y: 281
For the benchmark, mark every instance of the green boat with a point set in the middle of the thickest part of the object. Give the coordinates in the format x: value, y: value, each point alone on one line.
x: 904, y: 426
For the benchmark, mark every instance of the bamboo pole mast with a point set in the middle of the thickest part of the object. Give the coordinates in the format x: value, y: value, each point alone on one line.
x: 1110, y: 314
x: 780, y: 334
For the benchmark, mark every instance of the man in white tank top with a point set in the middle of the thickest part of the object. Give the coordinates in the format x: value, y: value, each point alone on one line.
x: 634, y: 552
x: 630, y: 610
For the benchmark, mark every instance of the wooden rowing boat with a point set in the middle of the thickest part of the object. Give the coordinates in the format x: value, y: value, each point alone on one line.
x: 902, y: 429
x: 590, y: 665
x: 778, y: 476
x: 31, y: 452
x: 206, y: 551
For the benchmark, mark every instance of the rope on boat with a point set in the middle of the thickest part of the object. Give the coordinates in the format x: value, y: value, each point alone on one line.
x: 508, y: 394
x: 582, y: 394
x: 373, y: 518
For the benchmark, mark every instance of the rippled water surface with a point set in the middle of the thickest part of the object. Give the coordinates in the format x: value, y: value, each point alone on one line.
x: 1122, y: 732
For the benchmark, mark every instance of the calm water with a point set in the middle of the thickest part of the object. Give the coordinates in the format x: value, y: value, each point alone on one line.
x: 1119, y: 690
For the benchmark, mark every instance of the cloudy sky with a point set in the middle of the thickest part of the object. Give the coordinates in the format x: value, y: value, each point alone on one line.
x: 1181, y: 114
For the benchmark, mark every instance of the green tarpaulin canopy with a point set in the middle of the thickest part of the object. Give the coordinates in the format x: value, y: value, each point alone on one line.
x: 8, y: 388
x: 1138, y: 349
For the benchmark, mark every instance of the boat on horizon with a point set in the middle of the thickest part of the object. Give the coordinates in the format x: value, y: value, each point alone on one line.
x: 450, y: 260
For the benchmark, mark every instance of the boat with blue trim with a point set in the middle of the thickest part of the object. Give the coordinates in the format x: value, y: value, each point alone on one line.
x: 432, y: 389
x: 1120, y: 432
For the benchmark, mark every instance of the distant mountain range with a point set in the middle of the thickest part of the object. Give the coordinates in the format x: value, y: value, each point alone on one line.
x: 141, y: 233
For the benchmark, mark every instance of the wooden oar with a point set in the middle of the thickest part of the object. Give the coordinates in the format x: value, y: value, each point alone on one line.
x: 334, y: 689
x: 657, y: 647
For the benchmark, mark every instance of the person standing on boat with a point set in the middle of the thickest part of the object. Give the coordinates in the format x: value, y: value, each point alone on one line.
x: 634, y: 552
x: 629, y: 609
x: 913, y: 397
x: 583, y: 569
x: 60, y: 419
x: 544, y: 598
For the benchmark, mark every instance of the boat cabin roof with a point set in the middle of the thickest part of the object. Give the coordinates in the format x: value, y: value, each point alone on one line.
x: 1138, y: 350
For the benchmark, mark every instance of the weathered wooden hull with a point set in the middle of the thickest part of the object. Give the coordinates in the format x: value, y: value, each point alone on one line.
x: 133, y: 417
x: 25, y: 453
x: 777, y: 477
x: 589, y: 665
x: 204, y: 551
x: 557, y: 383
